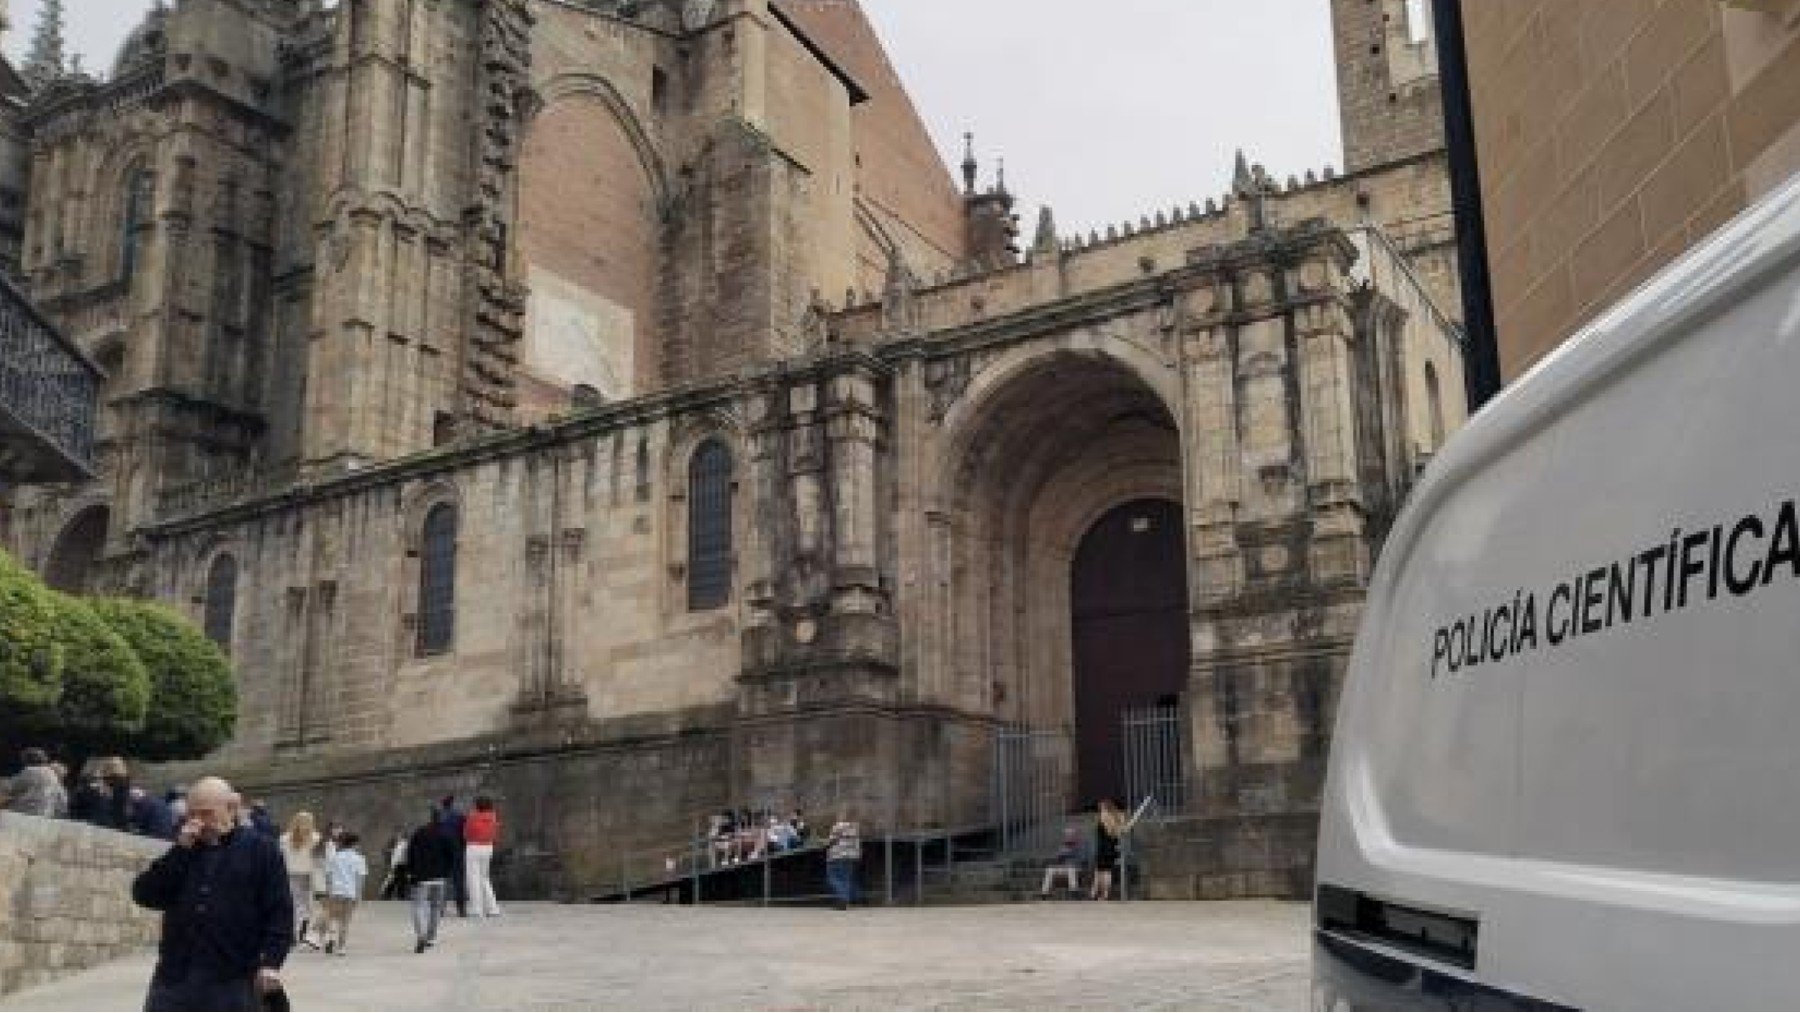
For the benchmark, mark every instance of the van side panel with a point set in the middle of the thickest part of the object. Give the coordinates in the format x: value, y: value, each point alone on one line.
x: 1573, y: 712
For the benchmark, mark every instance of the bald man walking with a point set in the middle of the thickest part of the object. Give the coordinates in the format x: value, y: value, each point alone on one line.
x: 228, y: 919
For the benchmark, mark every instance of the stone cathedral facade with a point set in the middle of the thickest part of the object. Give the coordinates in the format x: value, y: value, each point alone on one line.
x: 618, y: 407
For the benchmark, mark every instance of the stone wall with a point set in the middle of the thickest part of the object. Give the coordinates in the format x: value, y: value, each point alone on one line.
x: 65, y: 898
x: 1214, y: 858
x: 1611, y: 142
x: 1388, y: 96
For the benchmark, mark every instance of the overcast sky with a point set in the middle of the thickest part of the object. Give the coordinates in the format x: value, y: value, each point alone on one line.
x: 1105, y: 111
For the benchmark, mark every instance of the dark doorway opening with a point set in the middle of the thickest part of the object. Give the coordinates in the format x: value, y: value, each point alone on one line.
x: 75, y: 559
x: 1129, y: 596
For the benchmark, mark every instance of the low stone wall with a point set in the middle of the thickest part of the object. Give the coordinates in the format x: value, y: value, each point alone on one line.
x: 65, y: 898
x: 1229, y: 857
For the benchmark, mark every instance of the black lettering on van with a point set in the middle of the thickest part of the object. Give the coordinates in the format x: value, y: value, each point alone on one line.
x: 1649, y: 558
x: 1593, y: 596
x: 1512, y: 625
x: 1497, y: 640
x: 1619, y: 587
x: 1554, y: 630
x: 1691, y: 566
x: 1440, y: 646
x: 1669, y: 571
x: 1753, y: 526
x: 1528, y: 638
x: 1712, y: 562
x: 1784, y: 544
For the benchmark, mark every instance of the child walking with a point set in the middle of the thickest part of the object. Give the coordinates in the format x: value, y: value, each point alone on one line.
x: 345, y: 871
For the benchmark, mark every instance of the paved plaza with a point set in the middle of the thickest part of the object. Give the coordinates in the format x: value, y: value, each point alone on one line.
x: 1225, y: 955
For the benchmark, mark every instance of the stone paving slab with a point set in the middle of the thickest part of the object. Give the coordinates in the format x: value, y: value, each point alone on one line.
x: 1227, y: 955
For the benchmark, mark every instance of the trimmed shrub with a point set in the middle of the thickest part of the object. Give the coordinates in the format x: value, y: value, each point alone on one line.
x: 31, y: 657
x: 105, y: 688
x: 193, y: 697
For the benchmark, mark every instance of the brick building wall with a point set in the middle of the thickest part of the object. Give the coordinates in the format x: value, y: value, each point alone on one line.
x: 1612, y: 138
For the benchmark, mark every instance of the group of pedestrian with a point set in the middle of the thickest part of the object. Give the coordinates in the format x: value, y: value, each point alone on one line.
x: 106, y: 796
x: 236, y: 900
x: 1110, y: 827
x: 447, y: 858
x: 745, y: 835
x: 325, y: 874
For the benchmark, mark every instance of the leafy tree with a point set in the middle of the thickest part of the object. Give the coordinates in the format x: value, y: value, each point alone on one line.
x: 31, y: 657
x: 193, y: 698
x: 105, y: 688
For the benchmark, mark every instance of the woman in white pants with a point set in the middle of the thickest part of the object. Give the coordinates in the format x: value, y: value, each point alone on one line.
x: 480, y: 831
x: 300, y: 852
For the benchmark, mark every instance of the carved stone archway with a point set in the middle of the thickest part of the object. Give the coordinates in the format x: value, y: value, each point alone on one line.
x: 1046, y: 453
x: 73, y: 562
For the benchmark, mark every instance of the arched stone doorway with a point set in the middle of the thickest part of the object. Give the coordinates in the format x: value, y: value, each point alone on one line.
x: 1039, y: 462
x: 74, y: 559
x: 1128, y: 595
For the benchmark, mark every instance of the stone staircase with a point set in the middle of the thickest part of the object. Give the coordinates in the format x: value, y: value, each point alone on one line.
x: 978, y: 873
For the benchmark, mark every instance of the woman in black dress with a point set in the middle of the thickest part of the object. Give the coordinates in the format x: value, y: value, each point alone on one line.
x: 1107, y: 831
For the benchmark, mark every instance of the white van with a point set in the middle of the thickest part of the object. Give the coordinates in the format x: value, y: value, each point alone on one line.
x: 1566, y: 770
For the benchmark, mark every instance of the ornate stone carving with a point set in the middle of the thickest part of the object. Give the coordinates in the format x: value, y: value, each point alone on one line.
x: 697, y: 14
x: 497, y: 304
x: 945, y: 382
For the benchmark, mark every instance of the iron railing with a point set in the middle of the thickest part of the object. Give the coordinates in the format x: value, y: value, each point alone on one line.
x: 1155, y: 745
x: 1033, y: 775
x: 48, y: 394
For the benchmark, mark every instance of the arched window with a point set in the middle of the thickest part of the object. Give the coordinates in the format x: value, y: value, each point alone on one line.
x: 134, y: 222
x: 1435, y: 400
x: 221, y: 600
x: 437, y: 581
x: 709, y: 527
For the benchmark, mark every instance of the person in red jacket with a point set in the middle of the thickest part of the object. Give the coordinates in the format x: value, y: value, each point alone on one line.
x: 480, y: 831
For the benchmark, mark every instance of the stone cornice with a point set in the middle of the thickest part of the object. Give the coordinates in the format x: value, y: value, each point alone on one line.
x: 505, y: 444
x: 1280, y: 248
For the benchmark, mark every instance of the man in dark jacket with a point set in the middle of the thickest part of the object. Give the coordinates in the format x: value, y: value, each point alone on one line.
x: 430, y: 857
x: 228, y: 920
x: 454, y: 819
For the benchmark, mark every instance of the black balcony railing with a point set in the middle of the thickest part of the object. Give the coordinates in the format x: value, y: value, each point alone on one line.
x: 48, y: 394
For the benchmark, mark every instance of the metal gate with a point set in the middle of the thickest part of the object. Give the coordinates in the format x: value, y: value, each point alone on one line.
x: 1155, y: 745
x: 1033, y: 778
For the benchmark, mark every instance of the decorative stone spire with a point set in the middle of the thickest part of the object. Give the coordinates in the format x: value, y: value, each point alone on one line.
x: 1045, y: 241
x: 899, y: 307
x: 969, y: 166
x: 46, y: 62
x: 1242, y: 181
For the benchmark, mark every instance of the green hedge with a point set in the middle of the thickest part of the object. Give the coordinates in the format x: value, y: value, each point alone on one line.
x: 193, y: 698
x: 109, y: 675
x: 31, y: 657
x: 105, y: 688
